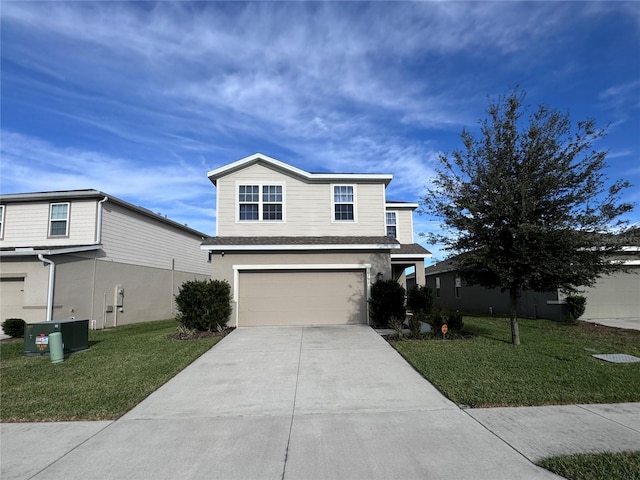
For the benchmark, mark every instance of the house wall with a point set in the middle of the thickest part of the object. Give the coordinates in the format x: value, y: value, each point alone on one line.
x: 129, y: 237
x: 33, y: 276
x: 85, y: 284
x: 404, y: 218
x: 27, y: 224
x: 615, y: 296
x: 307, y: 209
x: 479, y: 300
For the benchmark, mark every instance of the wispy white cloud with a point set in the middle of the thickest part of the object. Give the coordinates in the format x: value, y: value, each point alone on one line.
x: 175, y: 188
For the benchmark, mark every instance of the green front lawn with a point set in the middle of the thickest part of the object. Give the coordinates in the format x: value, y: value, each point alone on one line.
x: 552, y: 366
x: 601, y: 466
x: 121, y: 367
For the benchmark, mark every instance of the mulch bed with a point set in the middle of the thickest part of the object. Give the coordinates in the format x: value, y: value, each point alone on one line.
x: 201, y: 334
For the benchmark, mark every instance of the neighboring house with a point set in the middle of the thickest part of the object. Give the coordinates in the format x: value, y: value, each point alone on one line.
x: 302, y: 248
x: 88, y: 255
x: 614, y: 297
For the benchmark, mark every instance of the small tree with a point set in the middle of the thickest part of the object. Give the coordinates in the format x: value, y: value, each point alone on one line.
x: 204, y: 305
x: 419, y: 299
x: 526, y: 206
x: 576, y: 305
x: 387, y: 302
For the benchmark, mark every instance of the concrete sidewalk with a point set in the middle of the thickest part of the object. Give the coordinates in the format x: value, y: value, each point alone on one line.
x: 305, y: 403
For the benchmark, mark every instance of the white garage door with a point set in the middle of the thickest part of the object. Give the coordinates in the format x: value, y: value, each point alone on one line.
x: 11, y: 290
x: 302, y: 297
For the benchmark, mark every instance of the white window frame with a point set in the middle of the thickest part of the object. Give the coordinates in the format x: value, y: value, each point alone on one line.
x: 261, y: 203
x: 387, y: 224
x: 457, y: 286
x: 334, y: 203
x: 437, y: 287
x: 66, y: 220
x: 2, y: 209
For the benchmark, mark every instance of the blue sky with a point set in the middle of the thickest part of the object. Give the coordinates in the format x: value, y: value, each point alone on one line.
x: 142, y: 99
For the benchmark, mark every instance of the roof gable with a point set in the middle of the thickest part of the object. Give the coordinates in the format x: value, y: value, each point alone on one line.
x: 225, y: 170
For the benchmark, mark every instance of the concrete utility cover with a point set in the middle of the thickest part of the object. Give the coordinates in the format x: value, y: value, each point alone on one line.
x: 617, y: 358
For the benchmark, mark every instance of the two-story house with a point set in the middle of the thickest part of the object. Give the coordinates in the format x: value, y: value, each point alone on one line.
x: 88, y: 255
x: 301, y: 248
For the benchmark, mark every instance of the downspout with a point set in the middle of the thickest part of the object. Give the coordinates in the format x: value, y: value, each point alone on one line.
x: 52, y: 277
x: 99, y: 220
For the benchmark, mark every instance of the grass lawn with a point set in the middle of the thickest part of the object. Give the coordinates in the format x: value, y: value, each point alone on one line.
x: 602, y: 466
x: 553, y: 366
x: 121, y: 367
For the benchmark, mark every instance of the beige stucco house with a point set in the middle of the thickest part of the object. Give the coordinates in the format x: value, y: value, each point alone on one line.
x: 301, y: 248
x: 88, y: 255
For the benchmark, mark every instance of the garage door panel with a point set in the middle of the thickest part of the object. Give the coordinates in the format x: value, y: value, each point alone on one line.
x: 11, y: 293
x: 301, y: 297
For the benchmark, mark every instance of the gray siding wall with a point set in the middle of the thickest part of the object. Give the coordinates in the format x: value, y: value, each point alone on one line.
x: 27, y: 224
x: 479, y: 300
x: 132, y: 238
x: 307, y: 207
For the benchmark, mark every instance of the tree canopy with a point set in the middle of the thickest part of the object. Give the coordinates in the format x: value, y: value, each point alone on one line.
x: 526, y: 204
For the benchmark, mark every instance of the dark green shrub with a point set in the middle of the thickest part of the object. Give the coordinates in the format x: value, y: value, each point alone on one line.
x: 454, y: 321
x: 576, y: 305
x: 437, y: 318
x: 14, y: 327
x: 386, y: 302
x: 419, y: 299
x: 204, y: 305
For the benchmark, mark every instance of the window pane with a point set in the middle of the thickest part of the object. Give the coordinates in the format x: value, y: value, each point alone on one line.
x: 272, y: 193
x: 344, y: 212
x: 272, y: 212
x: 391, y: 231
x: 248, y: 193
x: 342, y: 193
x: 58, y: 227
x: 391, y: 218
x: 59, y: 212
x: 249, y: 212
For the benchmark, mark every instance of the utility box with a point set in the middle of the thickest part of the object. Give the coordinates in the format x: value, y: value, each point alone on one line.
x: 75, y: 336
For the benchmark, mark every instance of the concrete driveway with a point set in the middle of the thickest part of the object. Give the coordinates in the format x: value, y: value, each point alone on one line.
x: 295, y: 403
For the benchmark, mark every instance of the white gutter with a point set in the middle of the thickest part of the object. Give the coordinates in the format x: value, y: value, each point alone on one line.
x: 21, y: 252
x: 99, y: 220
x: 52, y: 277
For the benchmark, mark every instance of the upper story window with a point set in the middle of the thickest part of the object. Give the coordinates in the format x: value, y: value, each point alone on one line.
x: 1, y: 221
x: 343, y: 203
x: 392, y: 224
x: 59, y: 220
x: 260, y: 202
x: 458, y: 286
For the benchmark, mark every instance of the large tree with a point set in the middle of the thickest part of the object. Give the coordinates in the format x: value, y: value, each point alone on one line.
x: 525, y: 204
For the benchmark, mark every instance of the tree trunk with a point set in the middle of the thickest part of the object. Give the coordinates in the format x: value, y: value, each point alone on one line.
x: 513, y: 308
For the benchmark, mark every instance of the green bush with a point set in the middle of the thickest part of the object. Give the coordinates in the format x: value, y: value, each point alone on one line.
x: 454, y: 321
x: 14, y: 327
x: 419, y: 299
x: 576, y: 305
x: 204, y: 305
x: 387, y: 302
x: 437, y: 318
x: 415, y: 323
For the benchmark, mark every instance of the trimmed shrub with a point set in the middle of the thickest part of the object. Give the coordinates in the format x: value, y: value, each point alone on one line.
x: 14, y: 327
x: 419, y: 299
x: 454, y: 321
x: 576, y: 305
x: 204, y: 304
x: 386, y: 302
